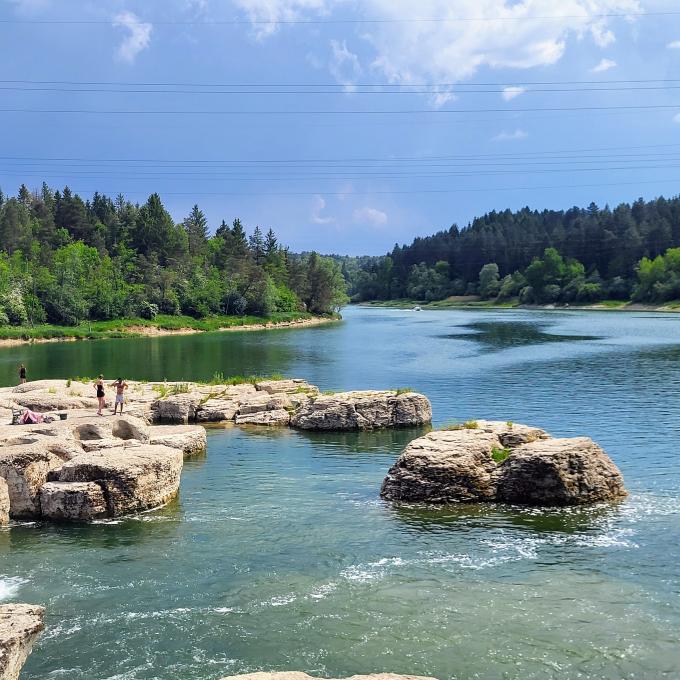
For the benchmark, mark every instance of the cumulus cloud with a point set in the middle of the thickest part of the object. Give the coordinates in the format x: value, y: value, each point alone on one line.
x: 675, y: 45
x: 510, y: 136
x: 137, y: 38
x: 512, y: 92
x: 266, y: 15
x: 603, y: 65
x: 344, y: 65
x: 368, y: 215
x: 318, y: 206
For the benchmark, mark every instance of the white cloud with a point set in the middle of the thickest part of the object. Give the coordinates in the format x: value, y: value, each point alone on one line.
x: 512, y: 92
x: 137, y: 38
x: 675, y: 45
x: 603, y: 65
x: 318, y: 205
x: 510, y: 136
x: 496, y: 34
x: 267, y: 14
x: 344, y: 65
x: 676, y: 118
x: 368, y: 215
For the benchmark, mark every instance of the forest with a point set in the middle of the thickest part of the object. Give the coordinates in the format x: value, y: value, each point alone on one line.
x: 65, y: 260
x: 549, y: 256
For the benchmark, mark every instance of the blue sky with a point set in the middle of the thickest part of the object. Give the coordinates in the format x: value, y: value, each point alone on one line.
x: 342, y: 133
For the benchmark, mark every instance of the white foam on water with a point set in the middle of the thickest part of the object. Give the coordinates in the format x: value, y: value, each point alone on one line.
x: 10, y: 586
x: 280, y: 600
x: 323, y: 591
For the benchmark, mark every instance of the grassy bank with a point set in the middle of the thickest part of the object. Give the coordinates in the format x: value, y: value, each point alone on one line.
x: 474, y: 302
x: 161, y: 325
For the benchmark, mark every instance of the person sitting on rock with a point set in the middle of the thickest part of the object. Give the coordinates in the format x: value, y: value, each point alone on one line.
x: 120, y: 386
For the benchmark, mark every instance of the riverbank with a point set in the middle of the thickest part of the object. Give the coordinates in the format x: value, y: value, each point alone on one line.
x: 475, y: 302
x: 161, y: 325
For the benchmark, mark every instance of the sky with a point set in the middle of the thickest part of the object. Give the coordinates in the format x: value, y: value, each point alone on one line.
x: 346, y: 126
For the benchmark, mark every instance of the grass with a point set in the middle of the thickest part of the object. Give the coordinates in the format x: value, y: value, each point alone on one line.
x: 499, y: 455
x: 468, y: 425
x: 403, y: 390
x: 171, y: 390
x: 120, y: 328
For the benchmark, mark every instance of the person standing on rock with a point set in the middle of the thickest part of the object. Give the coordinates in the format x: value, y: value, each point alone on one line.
x: 22, y: 374
x: 100, y: 394
x: 120, y: 386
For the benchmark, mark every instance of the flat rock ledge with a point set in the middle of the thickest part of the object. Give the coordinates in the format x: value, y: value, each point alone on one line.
x: 20, y: 626
x: 488, y: 461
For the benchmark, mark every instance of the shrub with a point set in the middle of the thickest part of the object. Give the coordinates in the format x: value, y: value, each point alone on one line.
x: 499, y: 455
x: 471, y: 425
x: 403, y: 390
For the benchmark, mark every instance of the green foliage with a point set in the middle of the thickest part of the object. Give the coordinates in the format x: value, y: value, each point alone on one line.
x: 471, y: 425
x: 66, y: 261
x: 403, y: 390
x: 499, y: 455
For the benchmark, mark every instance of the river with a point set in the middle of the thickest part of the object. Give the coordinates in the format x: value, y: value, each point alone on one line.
x: 278, y: 555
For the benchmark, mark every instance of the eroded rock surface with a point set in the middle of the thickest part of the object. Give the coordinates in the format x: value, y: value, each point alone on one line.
x: 20, y: 626
x: 4, y: 502
x: 72, y: 501
x: 189, y: 439
x: 495, y: 461
x: 363, y: 410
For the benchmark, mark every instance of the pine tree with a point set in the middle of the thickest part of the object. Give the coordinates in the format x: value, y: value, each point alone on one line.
x: 257, y: 246
x: 196, y: 226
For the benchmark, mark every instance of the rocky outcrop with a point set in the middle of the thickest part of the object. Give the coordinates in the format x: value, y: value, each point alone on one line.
x: 178, y: 409
x: 495, y: 461
x: 190, y: 439
x: 273, y: 418
x: 363, y: 410
x: 72, y: 501
x: 132, y: 479
x: 20, y: 626
x: 4, y: 502
x: 295, y: 675
x: 559, y: 472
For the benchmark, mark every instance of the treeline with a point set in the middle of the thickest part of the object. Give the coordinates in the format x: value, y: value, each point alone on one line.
x: 579, y: 255
x: 64, y: 260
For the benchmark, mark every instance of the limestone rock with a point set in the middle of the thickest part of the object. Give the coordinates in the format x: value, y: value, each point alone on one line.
x: 464, y: 465
x: 133, y: 479
x: 559, y: 472
x: 20, y: 626
x: 44, y: 402
x: 444, y: 467
x: 363, y: 410
x: 276, y: 417
x: 217, y: 410
x: 25, y: 469
x: 178, y: 409
x: 72, y: 501
x: 189, y: 439
x: 265, y: 402
x: 293, y: 386
x: 4, y: 502
x: 112, y: 443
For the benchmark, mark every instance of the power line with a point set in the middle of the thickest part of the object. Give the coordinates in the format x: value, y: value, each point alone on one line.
x: 344, y: 112
x: 405, y: 20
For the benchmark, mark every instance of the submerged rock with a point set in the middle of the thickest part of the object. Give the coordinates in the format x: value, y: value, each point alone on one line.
x: 20, y: 626
x: 494, y: 461
x: 363, y: 410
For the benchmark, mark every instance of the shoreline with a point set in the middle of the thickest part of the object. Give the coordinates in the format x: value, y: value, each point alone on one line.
x: 137, y: 330
x: 472, y: 303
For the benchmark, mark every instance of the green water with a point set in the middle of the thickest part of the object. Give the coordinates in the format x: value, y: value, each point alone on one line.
x: 279, y: 554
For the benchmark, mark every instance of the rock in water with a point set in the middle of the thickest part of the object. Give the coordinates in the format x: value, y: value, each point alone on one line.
x: 495, y: 461
x: 559, y: 472
x: 444, y: 467
x: 363, y: 410
x: 4, y: 502
x: 20, y: 626
x: 190, y: 439
x: 72, y: 501
x: 133, y: 479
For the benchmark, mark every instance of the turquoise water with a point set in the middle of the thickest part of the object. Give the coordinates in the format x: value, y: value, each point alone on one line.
x: 279, y: 554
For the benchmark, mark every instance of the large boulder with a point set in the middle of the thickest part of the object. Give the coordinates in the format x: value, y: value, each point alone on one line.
x: 25, y: 469
x: 178, y: 409
x: 133, y: 479
x: 363, y: 410
x: 4, y: 502
x: 559, y: 472
x: 44, y: 402
x: 72, y: 501
x: 444, y: 467
x: 494, y: 461
x: 217, y: 410
x: 20, y: 626
x: 291, y: 386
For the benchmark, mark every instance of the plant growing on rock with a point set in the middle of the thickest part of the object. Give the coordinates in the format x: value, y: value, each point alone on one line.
x: 499, y: 455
